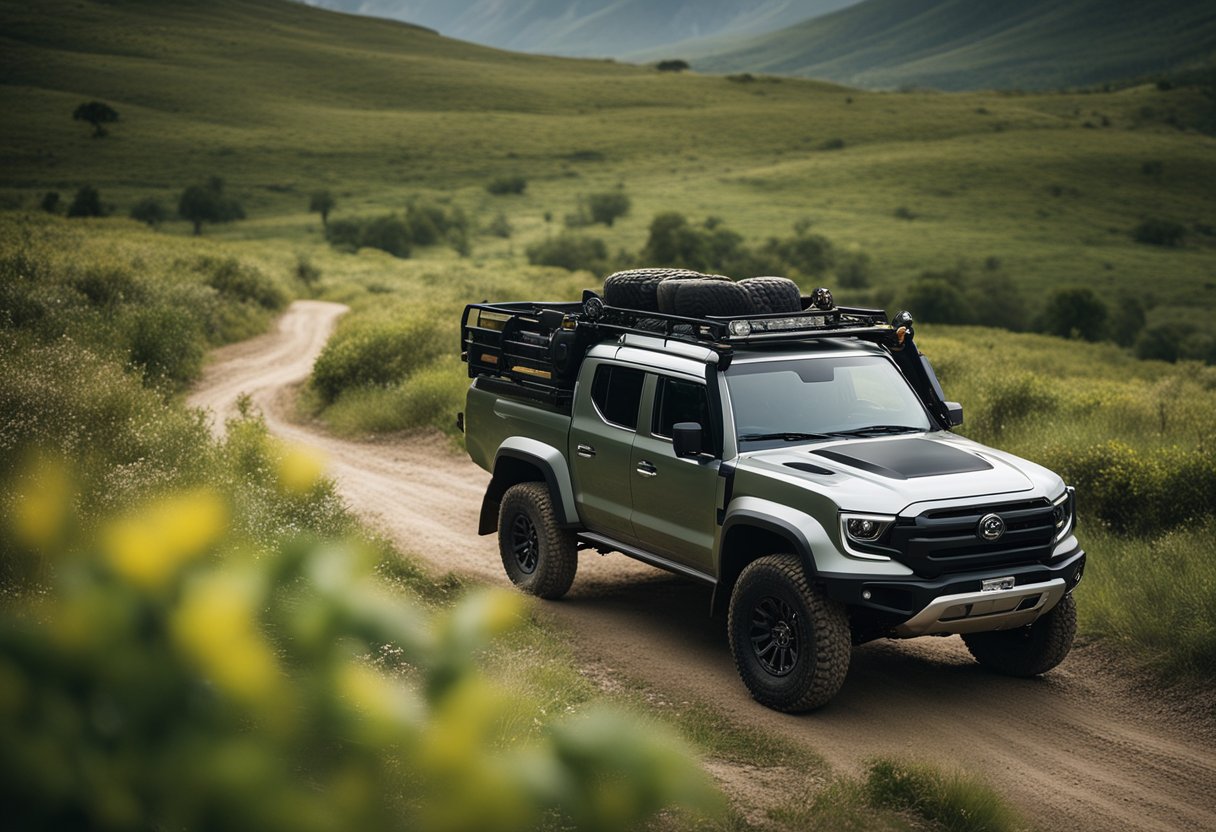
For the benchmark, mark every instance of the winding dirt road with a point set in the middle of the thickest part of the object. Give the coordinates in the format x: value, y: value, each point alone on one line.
x: 1078, y: 749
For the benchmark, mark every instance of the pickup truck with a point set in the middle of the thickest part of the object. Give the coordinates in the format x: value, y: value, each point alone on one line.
x: 803, y: 465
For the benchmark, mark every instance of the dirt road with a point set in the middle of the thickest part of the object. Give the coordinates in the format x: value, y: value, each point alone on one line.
x: 1078, y: 749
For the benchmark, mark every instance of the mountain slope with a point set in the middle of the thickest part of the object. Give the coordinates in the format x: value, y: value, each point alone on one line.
x: 962, y: 44
x: 591, y: 28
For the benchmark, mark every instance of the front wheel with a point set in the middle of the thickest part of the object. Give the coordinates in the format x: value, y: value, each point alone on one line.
x: 540, y: 557
x: 1030, y: 650
x: 791, y: 642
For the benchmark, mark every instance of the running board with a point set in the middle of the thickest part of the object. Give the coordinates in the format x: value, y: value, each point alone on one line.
x: 604, y: 544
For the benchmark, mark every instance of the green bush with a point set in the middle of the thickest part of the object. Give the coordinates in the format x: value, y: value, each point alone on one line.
x: 935, y: 297
x: 1075, y: 313
x: 380, y: 351
x: 570, y: 251
x: 239, y: 281
x: 86, y: 203
x: 1014, y: 397
x: 149, y: 210
x: 504, y: 185
x: 607, y: 208
x: 166, y: 343
x: 1157, y: 231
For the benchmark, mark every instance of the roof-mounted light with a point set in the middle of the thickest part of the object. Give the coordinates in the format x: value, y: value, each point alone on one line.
x: 740, y: 328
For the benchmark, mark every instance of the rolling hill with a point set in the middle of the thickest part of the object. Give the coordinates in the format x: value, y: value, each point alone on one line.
x: 592, y: 28
x: 962, y: 44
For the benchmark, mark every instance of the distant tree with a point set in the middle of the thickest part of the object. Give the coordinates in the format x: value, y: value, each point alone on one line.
x: 322, y: 202
x: 149, y: 210
x: 208, y: 203
x: 1075, y: 313
x: 87, y: 203
x: 605, y: 208
x: 675, y: 65
x: 935, y: 297
x: 96, y: 113
x: 50, y: 202
x: 1156, y: 231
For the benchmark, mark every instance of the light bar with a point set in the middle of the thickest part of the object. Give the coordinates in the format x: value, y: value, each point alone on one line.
x: 743, y: 328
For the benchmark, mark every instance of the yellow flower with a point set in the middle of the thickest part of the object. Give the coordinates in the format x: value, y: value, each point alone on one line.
x: 40, y: 513
x: 149, y: 548
x: 300, y: 469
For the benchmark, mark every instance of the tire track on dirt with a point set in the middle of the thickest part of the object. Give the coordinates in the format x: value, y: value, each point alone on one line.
x: 1074, y: 750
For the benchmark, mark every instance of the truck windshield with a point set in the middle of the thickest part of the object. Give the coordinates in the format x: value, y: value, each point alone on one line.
x: 822, y: 398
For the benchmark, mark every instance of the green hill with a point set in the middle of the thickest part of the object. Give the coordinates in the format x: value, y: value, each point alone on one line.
x: 280, y: 99
x: 591, y: 28
x: 961, y: 44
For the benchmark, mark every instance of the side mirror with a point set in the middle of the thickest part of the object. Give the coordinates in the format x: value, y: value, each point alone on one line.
x: 954, y: 414
x: 686, y: 439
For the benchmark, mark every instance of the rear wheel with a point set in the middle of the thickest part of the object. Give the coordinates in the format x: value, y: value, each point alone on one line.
x: 539, y: 556
x: 791, y: 643
x: 1028, y: 651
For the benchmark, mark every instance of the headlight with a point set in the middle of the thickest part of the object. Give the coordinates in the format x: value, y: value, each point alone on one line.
x: 1063, y: 510
x: 864, y: 529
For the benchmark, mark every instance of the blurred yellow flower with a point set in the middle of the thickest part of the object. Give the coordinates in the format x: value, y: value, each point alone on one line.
x: 40, y: 513
x: 300, y: 468
x: 149, y: 548
x: 216, y: 627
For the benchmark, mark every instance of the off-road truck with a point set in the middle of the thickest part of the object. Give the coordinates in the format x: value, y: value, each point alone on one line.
x: 801, y: 462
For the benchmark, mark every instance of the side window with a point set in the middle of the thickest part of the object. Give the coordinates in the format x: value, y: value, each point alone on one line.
x: 617, y: 392
x: 679, y: 401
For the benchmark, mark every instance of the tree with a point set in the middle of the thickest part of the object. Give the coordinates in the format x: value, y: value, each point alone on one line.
x: 208, y: 203
x: 1075, y: 313
x: 96, y: 113
x: 605, y: 208
x: 322, y: 202
x: 675, y: 65
x: 50, y: 202
x: 87, y: 203
x: 149, y: 210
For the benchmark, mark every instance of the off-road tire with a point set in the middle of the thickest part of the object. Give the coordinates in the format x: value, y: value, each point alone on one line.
x: 670, y: 287
x: 773, y: 295
x: 548, y: 569
x: 638, y: 288
x: 1028, y: 651
x: 700, y: 298
x: 818, y: 626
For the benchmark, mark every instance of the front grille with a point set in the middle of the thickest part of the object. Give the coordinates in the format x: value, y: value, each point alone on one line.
x: 947, y: 540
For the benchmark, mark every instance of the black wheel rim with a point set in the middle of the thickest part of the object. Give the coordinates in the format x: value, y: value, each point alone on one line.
x: 524, y: 543
x: 774, y: 635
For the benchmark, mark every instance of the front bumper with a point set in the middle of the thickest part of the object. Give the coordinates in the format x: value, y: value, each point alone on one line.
x: 906, y: 607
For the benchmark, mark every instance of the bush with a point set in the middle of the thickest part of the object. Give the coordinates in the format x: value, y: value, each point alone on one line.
x: 50, y: 202
x: 1156, y: 231
x: 832, y: 144
x: 1014, y: 397
x: 675, y: 65
x: 936, y: 297
x: 606, y: 208
x: 1075, y: 313
x: 388, y: 233
x: 571, y: 251
x: 208, y: 203
x: 86, y: 203
x: 995, y: 301
x: 380, y: 351
x: 166, y: 343
x: 149, y: 210
x: 504, y: 185
x: 1161, y: 342
x: 500, y: 226
x: 244, y: 283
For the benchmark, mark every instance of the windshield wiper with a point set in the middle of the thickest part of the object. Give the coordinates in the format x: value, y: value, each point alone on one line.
x: 878, y: 429
x: 788, y: 436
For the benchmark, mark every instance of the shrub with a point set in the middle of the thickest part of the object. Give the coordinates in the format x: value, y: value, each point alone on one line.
x: 500, y: 226
x: 166, y: 343
x: 387, y: 233
x: 50, y: 202
x: 853, y: 270
x: 1161, y: 342
x: 306, y: 272
x: 149, y: 210
x: 379, y: 351
x: 570, y: 251
x: 606, y: 208
x: 208, y: 203
x: 1075, y: 313
x: 322, y: 202
x: 242, y: 282
x: 936, y: 298
x: 1014, y: 397
x: 903, y: 212
x: 673, y: 65
x: 108, y: 286
x: 995, y: 301
x: 832, y: 144
x: 504, y: 185
x: 1156, y: 231
x: 1126, y: 324
x: 86, y: 203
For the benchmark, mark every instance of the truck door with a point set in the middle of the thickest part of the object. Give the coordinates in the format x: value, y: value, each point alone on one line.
x: 602, y: 430
x: 674, y: 500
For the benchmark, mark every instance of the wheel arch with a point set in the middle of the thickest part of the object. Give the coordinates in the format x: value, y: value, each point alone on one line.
x: 526, y: 460
x: 748, y: 534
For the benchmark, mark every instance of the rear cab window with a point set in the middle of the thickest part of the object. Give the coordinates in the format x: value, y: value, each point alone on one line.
x: 617, y: 393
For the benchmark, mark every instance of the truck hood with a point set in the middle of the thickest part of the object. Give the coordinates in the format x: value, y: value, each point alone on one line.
x: 888, y: 475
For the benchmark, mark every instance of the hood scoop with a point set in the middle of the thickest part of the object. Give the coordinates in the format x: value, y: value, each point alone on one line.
x: 903, y: 459
x: 808, y: 468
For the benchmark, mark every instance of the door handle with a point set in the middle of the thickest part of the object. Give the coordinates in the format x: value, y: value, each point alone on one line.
x: 646, y: 469
x: 585, y: 451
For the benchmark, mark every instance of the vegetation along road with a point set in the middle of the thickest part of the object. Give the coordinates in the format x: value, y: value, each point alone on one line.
x: 1078, y: 749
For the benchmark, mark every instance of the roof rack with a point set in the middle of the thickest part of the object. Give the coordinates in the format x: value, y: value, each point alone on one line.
x: 539, y: 346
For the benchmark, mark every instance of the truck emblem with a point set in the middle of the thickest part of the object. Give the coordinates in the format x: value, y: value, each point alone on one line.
x: 991, y: 527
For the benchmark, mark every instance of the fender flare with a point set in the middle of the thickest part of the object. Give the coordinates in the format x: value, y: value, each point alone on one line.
x: 776, y: 523
x: 552, y: 465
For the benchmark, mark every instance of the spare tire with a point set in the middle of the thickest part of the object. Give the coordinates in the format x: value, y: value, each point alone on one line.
x: 637, y: 288
x: 666, y: 294
x: 773, y: 295
x: 700, y: 298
